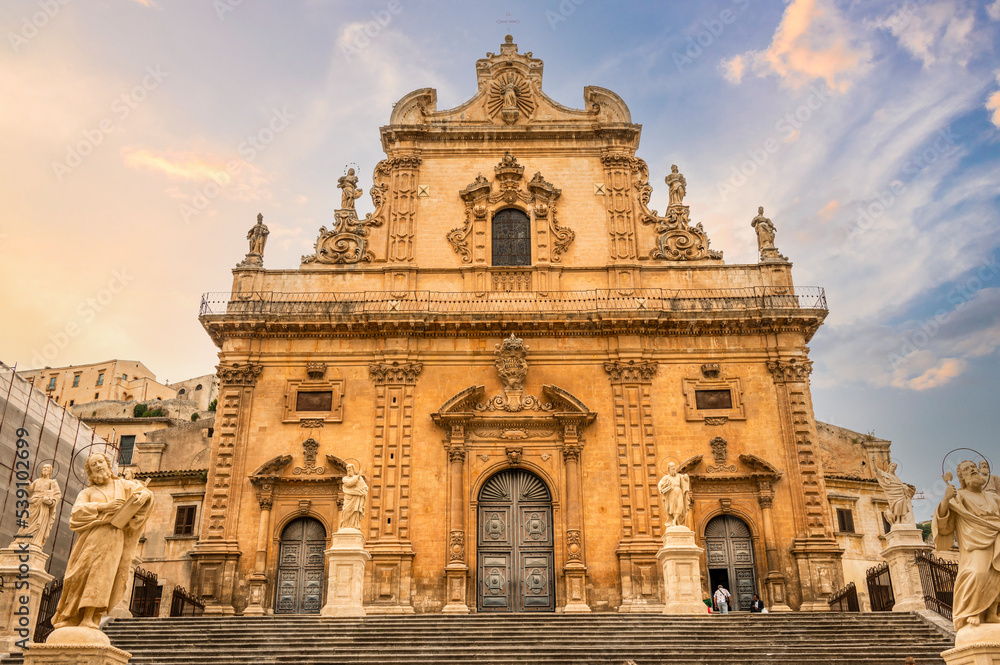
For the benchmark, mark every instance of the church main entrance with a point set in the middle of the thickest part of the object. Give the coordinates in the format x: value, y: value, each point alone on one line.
x: 515, y: 548
x: 300, y: 567
x: 730, y: 559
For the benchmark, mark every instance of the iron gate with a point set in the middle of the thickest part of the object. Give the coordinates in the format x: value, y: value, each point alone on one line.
x: 845, y: 600
x: 937, y: 579
x: 515, y: 548
x: 145, y: 594
x: 47, y: 609
x: 183, y: 604
x: 880, y: 588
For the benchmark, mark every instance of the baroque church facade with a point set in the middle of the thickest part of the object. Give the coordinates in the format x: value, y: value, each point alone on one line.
x: 511, y: 348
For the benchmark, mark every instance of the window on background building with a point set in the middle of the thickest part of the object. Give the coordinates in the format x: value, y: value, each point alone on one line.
x: 511, y: 238
x: 126, y: 450
x: 72, y: 402
x: 76, y: 380
x: 184, y: 524
x: 886, y: 527
x: 124, y: 377
x: 52, y: 383
x: 97, y: 395
x: 845, y: 520
x: 181, y: 392
x: 198, y: 387
x: 100, y: 379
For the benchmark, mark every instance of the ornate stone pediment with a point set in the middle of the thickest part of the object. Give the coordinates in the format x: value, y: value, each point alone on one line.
x: 272, y: 467
x: 510, y: 94
x: 758, y: 465
x: 690, y: 463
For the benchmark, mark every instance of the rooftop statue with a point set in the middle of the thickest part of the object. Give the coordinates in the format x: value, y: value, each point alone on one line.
x: 350, y: 190
x: 678, y: 186
x: 898, y: 493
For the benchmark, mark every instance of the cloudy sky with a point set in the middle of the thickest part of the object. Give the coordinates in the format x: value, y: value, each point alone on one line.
x: 868, y: 130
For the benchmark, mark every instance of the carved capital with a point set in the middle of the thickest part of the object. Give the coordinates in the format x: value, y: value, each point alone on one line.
x: 395, y: 372
x: 456, y: 454
x: 790, y: 371
x: 631, y: 372
x: 238, y: 374
x: 265, y: 495
x: 571, y: 453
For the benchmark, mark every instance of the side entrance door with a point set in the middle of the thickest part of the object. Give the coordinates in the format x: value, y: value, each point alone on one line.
x: 514, y: 544
x: 300, y: 568
x: 730, y: 559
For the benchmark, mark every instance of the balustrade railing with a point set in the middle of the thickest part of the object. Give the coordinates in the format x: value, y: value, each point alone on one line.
x: 597, y: 301
x: 845, y: 600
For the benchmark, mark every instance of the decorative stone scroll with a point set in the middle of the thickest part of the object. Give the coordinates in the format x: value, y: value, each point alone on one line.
x: 347, y: 242
x: 395, y: 372
x: 631, y: 372
x: 790, y: 370
x: 239, y: 374
x: 678, y: 240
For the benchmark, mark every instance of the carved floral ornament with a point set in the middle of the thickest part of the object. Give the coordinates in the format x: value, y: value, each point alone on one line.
x: 395, y: 372
x: 238, y: 374
x: 512, y: 367
x: 790, y: 370
x: 631, y: 372
x: 537, y: 197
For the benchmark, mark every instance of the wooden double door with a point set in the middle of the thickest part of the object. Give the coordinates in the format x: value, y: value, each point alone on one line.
x: 300, y: 567
x: 730, y: 559
x: 515, y: 544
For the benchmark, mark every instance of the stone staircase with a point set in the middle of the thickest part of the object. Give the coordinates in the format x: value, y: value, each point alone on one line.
x: 736, y: 639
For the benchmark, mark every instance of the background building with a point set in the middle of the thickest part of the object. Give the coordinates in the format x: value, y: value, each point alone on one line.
x: 123, y: 380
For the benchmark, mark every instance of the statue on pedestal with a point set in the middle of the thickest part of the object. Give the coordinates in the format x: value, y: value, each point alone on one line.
x: 898, y: 493
x: 257, y: 235
x: 355, y: 495
x: 678, y: 186
x: 992, y: 480
x: 109, y: 516
x: 765, y: 237
x: 349, y: 184
x: 675, y: 488
x: 973, y: 516
x: 43, y: 500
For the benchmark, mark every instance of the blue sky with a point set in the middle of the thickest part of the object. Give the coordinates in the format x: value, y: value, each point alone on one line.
x: 868, y: 130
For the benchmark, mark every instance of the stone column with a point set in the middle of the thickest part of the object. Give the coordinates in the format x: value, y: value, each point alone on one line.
x: 457, y: 571
x: 902, y: 544
x: 774, y: 580
x: 19, y: 606
x: 257, y: 582
x: 575, y: 570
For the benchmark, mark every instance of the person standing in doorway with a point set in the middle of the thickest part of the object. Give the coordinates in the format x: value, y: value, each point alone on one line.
x: 722, y: 600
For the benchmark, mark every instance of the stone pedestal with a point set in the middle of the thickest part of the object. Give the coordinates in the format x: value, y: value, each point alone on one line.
x: 902, y: 544
x: 345, y: 560
x: 975, y: 645
x: 679, y: 560
x: 456, y: 573
x: 74, y: 645
x: 19, y: 606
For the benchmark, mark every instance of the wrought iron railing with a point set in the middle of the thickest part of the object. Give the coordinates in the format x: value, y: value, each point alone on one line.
x: 145, y: 594
x: 47, y: 609
x: 184, y: 604
x: 937, y: 579
x: 845, y: 600
x: 597, y: 301
x: 880, y: 588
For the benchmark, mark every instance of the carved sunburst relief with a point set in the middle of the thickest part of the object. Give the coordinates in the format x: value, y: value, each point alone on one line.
x: 510, y: 95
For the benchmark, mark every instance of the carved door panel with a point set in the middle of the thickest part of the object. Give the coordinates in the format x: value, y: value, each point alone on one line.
x: 729, y: 548
x: 515, y: 544
x: 300, y: 568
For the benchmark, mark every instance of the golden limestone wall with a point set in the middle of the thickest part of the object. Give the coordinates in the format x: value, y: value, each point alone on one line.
x: 625, y: 314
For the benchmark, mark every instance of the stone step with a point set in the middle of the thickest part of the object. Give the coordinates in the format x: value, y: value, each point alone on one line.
x: 550, y: 639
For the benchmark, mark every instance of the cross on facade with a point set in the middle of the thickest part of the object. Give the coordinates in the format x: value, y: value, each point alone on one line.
x: 508, y: 20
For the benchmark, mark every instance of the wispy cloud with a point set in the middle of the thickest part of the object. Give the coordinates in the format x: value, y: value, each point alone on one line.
x: 812, y: 42
x: 935, y: 32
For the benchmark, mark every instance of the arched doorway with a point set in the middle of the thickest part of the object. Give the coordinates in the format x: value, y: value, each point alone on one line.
x: 730, y: 559
x: 514, y: 544
x: 300, y: 567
